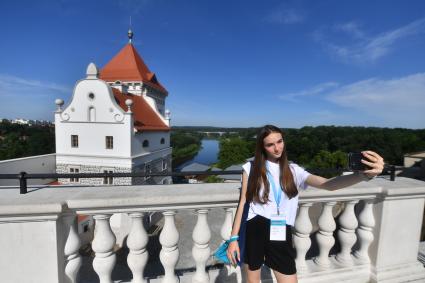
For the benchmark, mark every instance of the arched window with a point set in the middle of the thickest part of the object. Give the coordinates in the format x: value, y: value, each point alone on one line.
x: 162, y: 140
x: 92, y: 114
x: 145, y: 143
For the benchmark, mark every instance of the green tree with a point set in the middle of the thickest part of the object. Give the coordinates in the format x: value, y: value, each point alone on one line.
x: 233, y: 151
x: 329, y: 160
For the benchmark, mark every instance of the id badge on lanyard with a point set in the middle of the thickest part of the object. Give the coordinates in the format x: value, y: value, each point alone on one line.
x: 277, y: 227
x: 278, y: 220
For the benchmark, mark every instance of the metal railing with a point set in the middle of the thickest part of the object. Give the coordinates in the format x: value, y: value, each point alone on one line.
x: 24, y: 176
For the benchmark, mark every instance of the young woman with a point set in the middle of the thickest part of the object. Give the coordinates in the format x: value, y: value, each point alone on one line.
x: 271, y: 198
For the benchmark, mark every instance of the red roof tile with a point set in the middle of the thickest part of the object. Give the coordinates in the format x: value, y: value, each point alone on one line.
x: 127, y: 65
x: 82, y: 217
x: 145, y: 118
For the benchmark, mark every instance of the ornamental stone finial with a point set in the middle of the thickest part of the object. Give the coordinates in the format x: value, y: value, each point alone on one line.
x: 167, y: 114
x: 59, y: 103
x: 129, y: 103
x: 130, y: 36
x: 92, y: 71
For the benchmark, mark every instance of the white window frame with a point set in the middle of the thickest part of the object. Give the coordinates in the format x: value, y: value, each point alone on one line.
x: 74, y: 169
x: 164, y: 164
x: 108, y: 180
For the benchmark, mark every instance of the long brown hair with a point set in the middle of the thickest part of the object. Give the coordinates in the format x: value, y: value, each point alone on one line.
x: 258, y: 170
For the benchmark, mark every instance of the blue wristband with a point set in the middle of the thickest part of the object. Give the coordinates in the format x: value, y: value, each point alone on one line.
x: 233, y: 238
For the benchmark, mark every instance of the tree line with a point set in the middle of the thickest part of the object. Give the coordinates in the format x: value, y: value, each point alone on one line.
x: 312, y: 147
x: 327, y: 146
x: 22, y: 140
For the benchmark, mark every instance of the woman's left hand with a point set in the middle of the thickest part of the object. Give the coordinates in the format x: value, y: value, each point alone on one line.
x: 374, y: 161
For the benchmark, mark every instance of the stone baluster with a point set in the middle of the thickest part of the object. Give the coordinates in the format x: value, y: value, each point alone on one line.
x: 364, y: 232
x: 325, y: 238
x: 346, y: 234
x: 72, y: 245
x: 136, y: 243
x: 226, y: 228
x: 201, y: 250
x: 302, y: 242
x: 103, y: 245
x: 169, y: 254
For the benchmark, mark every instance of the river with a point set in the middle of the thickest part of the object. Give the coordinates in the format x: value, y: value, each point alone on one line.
x: 207, y: 155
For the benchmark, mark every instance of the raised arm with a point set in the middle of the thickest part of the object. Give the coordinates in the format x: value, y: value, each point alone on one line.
x: 372, y: 159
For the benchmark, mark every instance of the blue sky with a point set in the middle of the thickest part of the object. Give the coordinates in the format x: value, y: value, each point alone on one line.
x: 228, y: 63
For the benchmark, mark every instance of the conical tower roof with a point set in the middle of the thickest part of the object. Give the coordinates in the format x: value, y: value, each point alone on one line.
x: 127, y: 65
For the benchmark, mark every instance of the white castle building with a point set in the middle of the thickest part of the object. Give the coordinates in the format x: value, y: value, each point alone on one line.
x: 115, y: 122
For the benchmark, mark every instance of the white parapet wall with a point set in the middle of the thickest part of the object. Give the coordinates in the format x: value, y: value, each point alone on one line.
x: 383, y: 217
x: 45, y: 164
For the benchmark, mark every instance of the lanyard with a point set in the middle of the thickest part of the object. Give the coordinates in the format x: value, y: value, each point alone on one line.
x: 276, y: 192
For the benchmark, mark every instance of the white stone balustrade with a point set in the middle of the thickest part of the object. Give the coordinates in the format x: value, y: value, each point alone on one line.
x: 103, y: 245
x: 346, y: 234
x: 301, y: 237
x: 225, y: 232
x: 72, y: 245
x: 226, y: 228
x: 136, y: 243
x: 169, y: 255
x: 365, y: 231
x: 324, y: 236
x: 26, y: 222
x: 201, y: 250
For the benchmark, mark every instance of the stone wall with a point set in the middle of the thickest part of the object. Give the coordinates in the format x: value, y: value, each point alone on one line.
x: 64, y: 168
x: 156, y: 166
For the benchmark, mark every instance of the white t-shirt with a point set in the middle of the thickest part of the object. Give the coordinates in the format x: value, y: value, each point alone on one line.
x: 288, y: 207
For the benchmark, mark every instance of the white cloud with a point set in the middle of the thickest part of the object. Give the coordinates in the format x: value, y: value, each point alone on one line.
x: 11, y: 85
x: 315, y: 90
x: 286, y: 16
x: 398, y: 102
x: 366, y: 49
x: 351, y: 28
x: 28, y: 98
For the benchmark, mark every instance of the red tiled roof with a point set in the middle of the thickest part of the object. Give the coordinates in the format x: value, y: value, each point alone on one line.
x: 127, y: 65
x: 145, y: 118
x: 82, y: 217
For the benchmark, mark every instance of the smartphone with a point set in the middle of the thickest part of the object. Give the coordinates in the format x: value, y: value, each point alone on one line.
x: 355, y: 162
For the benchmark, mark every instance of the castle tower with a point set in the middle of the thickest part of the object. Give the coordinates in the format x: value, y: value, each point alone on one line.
x: 115, y: 122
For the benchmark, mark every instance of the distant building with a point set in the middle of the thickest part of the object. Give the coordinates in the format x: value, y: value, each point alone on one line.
x: 115, y: 122
x: 195, y: 167
x: 414, y: 164
x: 234, y: 177
x: 21, y: 121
